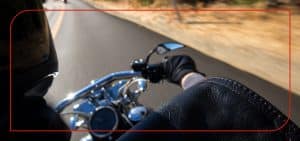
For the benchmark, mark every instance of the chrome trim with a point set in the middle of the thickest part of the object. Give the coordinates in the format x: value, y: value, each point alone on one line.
x: 85, y: 107
x: 94, y: 84
x: 137, y: 114
x: 54, y: 74
x: 87, y: 138
x: 114, y: 127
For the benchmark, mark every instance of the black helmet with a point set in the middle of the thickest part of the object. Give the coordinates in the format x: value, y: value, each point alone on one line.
x: 32, y: 51
x: 33, y: 56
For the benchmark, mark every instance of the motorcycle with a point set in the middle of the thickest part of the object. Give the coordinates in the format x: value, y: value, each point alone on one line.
x: 111, y: 103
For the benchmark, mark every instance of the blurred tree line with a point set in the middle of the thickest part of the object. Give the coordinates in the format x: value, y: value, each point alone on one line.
x: 276, y: 3
x: 270, y: 3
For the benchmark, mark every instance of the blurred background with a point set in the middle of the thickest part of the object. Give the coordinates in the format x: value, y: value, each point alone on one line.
x: 253, y: 41
x: 246, y: 40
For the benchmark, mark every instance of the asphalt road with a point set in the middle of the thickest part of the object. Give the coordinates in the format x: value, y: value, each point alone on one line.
x: 92, y: 44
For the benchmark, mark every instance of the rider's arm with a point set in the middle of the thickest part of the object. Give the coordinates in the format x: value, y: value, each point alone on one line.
x: 215, y: 104
x: 212, y: 104
x: 191, y: 79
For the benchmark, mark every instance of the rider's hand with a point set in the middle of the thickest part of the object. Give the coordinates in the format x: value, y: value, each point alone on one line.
x: 176, y: 67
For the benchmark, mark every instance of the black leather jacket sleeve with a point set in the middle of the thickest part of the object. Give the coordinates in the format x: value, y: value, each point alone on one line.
x: 216, y: 104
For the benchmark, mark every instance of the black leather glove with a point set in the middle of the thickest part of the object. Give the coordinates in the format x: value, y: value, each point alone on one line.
x: 176, y: 67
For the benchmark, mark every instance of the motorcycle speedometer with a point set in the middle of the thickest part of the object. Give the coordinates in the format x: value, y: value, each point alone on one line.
x: 103, y: 121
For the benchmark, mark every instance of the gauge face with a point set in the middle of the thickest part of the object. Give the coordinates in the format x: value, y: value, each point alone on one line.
x: 103, y: 121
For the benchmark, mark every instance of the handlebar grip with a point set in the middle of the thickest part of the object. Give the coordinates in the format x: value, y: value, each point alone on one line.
x: 154, y: 72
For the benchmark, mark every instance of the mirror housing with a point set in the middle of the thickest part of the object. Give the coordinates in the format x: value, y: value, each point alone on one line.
x: 163, y: 48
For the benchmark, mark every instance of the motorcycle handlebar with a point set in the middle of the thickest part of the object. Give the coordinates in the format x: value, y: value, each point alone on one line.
x: 152, y: 72
x: 94, y: 84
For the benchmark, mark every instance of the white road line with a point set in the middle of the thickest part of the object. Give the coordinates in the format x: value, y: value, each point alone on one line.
x: 55, y: 18
x: 58, y: 22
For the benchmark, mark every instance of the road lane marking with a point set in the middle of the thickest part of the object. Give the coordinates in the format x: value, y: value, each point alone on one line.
x: 58, y: 23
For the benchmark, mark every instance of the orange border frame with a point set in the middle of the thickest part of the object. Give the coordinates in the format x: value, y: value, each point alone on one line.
x: 158, y: 10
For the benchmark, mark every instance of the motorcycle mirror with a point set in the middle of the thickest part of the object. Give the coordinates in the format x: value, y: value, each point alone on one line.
x: 163, y: 48
x: 167, y: 47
